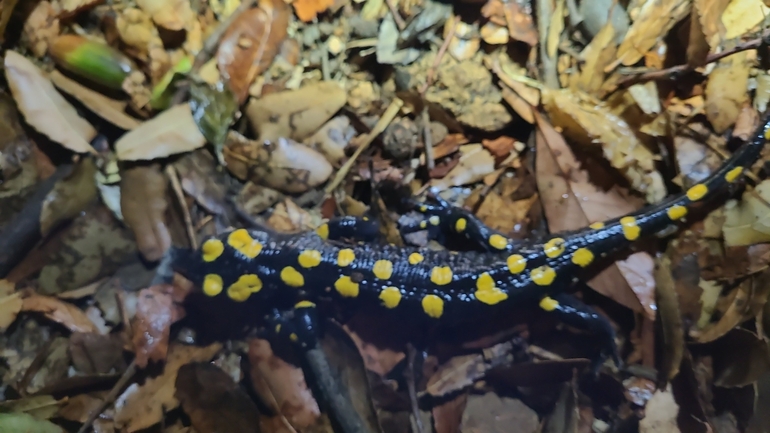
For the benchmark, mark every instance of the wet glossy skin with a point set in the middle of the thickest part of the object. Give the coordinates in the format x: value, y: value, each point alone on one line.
x: 442, y: 285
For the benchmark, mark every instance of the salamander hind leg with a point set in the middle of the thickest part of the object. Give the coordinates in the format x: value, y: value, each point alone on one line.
x: 571, y: 311
x: 443, y: 220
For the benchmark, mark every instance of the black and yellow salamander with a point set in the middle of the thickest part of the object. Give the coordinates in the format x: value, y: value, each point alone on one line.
x: 284, y: 271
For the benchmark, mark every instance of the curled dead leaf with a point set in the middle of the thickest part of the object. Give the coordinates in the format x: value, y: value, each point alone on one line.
x: 250, y: 44
x: 143, y: 204
x: 284, y: 165
x: 155, y: 313
x: 297, y: 113
x: 60, y: 312
x: 44, y: 108
x: 170, y: 132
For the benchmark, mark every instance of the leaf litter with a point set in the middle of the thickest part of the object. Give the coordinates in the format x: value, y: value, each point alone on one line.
x: 192, y: 117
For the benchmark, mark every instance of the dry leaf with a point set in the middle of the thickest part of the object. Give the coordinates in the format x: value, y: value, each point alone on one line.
x: 742, y: 16
x: 589, y: 122
x: 44, y: 108
x: 660, y: 413
x: 747, y: 222
x: 69, y: 196
x: 143, y: 204
x: 559, y: 176
x: 155, y: 313
x: 137, y: 30
x: 306, y: 10
x: 61, y: 312
x: 251, y: 43
x: 651, y: 24
x: 170, y: 132
x: 142, y: 406
x: 109, y: 109
x: 475, y: 163
x: 284, y: 165
x: 41, y: 28
x: 727, y: 90
x: 9, y: 308
x: 295, y: 114
x: 173, y: 15
x: 596, y: 56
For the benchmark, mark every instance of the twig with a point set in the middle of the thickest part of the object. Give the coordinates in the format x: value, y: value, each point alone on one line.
x: 430, y: 161
x: 671, y: 72
x: 400, y: 23
x: 110, y: 397
x: 177, y: 187
x: 430, y: 76
x: 545, y: 11
x: 410, y: 382
x: 383, y: 123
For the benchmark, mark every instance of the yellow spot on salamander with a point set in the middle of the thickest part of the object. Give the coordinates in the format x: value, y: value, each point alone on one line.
x: 243, y: 288
x: 497, y: 241
x: 423, y: 224
x: 293, y: 337
x: 433, y: 306
x: 345, y: 257
x: 732, y: 175
x: 304, y: 304
x: 434, y: 220
x: 543, y: 275
x: 390, y: 297
x: 582, y: 257
x: 597, y: 225
x: 346, y: 287
x: 676, y: 212
x: 212, y: 249
x: 630, y: 228
x: 549, y: 304
x: 441, y: 275
x: 242, y: 241
x: 696, y: 192
x: 554, y: 247
x: 415, y: 258
x: 309, y: 258
x: 291, y: 277
x: 212, y: 284
x: 323, y: 231
x: 423, y: 208
x: 383, y: 269
x: 516, y: 263
x: 487, y: 292
x: 460, y: 225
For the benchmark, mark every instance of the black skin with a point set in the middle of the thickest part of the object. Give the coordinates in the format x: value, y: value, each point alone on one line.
x: 484, y: 282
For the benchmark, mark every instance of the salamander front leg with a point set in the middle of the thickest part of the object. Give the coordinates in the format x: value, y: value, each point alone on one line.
x: 573, y: 312
x: 443, y: 220
x: 301, y: 326
x: 360, y: 229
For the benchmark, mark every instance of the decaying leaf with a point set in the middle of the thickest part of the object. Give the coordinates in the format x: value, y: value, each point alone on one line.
x: 142, y: 406
x: 588, y: 121
x: 170, y: 14
x: 559, y: 176
x: 69, y: 196
x: 747, y: 222
x: 109, y: 109
x: 170, y: 132
x: 284, y: 165
x: 297, y: 113
x: 40, y: 28
x: 10, y: 306
x: 40, y: 406
x: 654, y: 20
x: 61, y: 312
x: 44, y: 108
x: 155, y: 313
x: 22, y: 422
x: 475, y: 163
x: 726, y: 90
x: 251, y: 43
x: 661, y: 414
x: 143, y: 204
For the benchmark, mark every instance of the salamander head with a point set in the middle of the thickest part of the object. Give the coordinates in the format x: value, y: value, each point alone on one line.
x: 225, y: 264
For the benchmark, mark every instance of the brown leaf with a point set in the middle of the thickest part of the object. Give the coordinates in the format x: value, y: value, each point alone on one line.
x: 295, y: 114
x: 726, y: 90
x: 61, y: 312
x: 284, y: 165
x: 151, y: 327
x: 109, y: 109
x: 214, y: 402
x: 142, y: 406
x: 170, y: 132
x: 250, y: 44
x: 560, y: 175
x: 10, y: 306
x: 740, y: 358
x: 143, y: 204
x: 670, y: 319
x: 40, y: 28
x: 281, y: 386
x: 69, y: 197
x: 169, y: 14
x: 44, y: 108
x: 96, y: 353
x: 306, y: 10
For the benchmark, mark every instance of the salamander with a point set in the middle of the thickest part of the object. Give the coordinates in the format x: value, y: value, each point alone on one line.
x: 284, y: 270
